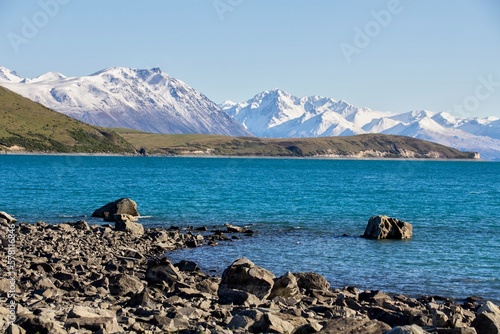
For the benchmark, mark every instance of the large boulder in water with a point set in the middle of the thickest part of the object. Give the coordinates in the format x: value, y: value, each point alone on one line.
x: 120, y: 206
x: 383, y: 227
x: 244, y: 276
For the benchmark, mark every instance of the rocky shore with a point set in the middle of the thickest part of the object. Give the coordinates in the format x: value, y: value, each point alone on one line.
x: 113, y: 278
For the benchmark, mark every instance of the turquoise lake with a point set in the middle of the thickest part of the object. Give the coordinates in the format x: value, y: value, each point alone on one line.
x: 308, y: 214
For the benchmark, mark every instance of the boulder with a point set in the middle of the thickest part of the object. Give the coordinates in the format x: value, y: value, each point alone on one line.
x: 124, y: 223
x: 285, y: 286
x: 311, y: 281
x: 383, y: 227
x: 245, y: 276
x: 120, y: 206
x: 488, y: 319
x: 5, y: 218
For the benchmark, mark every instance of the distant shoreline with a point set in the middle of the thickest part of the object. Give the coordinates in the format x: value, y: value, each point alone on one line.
x: 20, y: 153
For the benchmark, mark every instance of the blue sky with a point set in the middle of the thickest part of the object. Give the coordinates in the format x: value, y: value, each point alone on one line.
x: 387, y: 55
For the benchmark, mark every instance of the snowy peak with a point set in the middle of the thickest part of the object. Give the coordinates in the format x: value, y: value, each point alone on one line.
x: 276, y: 113
x: 49, y: 76
x: 7, y: 75
x: 142, y: 99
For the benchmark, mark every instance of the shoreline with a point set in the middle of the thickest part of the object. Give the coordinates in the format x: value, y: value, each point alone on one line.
x: 101, y: 277
x: 211, y: 156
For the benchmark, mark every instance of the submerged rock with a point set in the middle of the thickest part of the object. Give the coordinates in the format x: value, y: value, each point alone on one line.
x: 384, y: 227
x: 120, y: 206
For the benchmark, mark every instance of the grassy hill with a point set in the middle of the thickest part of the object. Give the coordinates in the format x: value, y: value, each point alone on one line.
x: 29, y: 126
x: 367, y: 145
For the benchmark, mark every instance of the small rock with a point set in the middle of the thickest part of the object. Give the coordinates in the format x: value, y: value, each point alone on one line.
x: 270, y: 323
x: 123, y: 285
x: 240, y: 322
x: 15, y: 329
x: 123, y: 223
x: 413, y: 329
x: 163, y: 271
x: 187, y: 266
x: 80, y: 225
x: 93, y: 319
x: 235, y: 229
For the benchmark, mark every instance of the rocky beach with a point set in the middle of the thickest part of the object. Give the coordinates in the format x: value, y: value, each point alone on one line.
x: 113, y: 278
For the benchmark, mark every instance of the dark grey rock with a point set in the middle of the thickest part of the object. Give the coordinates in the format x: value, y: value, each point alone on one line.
x: 120, y: 206
x: 383, y: 227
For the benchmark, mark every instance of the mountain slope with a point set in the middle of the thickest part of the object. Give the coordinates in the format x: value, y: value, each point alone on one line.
x: 147, y: 100
x: 277, y: 114
x: 26, y: 125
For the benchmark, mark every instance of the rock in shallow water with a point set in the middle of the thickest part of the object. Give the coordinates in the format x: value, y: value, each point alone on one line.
x: 120, y: 206
x: 384, y: 227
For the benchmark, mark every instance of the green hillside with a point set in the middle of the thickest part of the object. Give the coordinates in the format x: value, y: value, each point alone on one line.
x: 29, y: 126
x: 367, y: 145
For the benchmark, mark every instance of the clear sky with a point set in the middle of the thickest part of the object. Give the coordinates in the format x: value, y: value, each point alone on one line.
x: 391, y: 55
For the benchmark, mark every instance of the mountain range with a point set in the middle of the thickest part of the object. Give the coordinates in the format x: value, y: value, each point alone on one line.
x: 152, y: 101
x: 147, y: 100
x: 278, y: 114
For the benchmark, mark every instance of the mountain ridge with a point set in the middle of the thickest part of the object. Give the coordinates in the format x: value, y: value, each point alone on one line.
x: 143, y: 99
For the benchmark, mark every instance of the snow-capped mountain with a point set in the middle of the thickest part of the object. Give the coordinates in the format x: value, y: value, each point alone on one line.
x: 147, y: 100
x: 7, y: 75
x: 276, y: 114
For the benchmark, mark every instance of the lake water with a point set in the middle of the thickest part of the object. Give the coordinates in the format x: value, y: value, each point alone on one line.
x: 300, y: 209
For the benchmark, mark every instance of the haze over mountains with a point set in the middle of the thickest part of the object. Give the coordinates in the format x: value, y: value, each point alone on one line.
x: 150, y: 100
